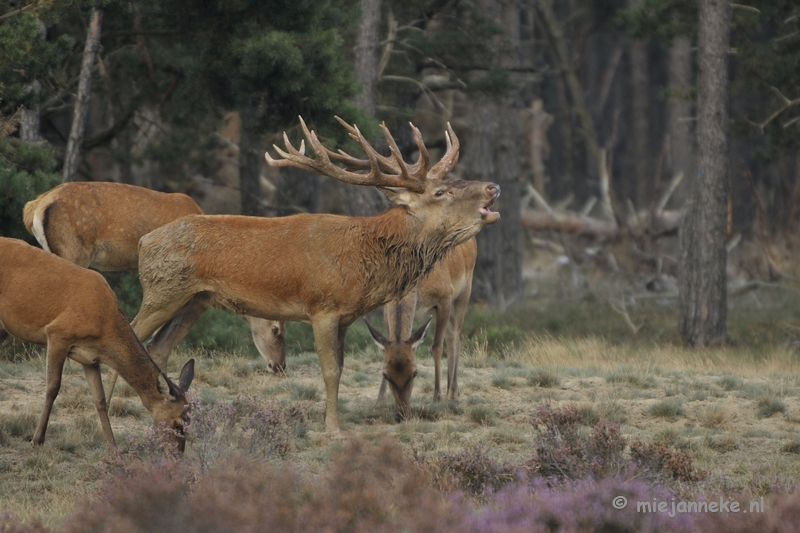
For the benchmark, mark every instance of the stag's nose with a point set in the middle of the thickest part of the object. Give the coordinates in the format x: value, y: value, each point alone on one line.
x: 493, y: 190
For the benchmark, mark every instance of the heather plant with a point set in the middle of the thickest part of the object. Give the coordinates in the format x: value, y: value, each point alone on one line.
x: 657, y: 458
x: 261, y: 429
x: 471, y: 471
x: 564, y: 452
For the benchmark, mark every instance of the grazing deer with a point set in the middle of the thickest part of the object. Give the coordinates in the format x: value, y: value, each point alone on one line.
x: 328, y: 270
x: 445, y: 293
x: 99, y: 224
x: 47, y: 300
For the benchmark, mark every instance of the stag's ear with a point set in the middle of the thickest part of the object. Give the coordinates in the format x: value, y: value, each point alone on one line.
x: 377, y: 336
x: 397, y: 195
x: 419, y: 336
x: 187, y: 375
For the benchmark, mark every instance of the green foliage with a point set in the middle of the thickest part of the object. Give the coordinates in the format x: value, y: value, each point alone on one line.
x: 26, y: 170
x: 25, y: 55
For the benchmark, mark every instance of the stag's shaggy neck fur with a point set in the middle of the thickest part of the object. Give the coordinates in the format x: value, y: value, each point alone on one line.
x: 397, y: 250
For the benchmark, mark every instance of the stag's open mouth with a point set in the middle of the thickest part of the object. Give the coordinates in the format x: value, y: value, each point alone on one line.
x: 487, y: 214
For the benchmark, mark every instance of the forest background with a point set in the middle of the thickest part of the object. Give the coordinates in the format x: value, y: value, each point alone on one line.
x: 583, y: 111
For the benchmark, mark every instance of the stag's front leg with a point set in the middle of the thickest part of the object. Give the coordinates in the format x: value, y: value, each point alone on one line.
x: 329, y: 341
x: 57, y: 351
x: 92, y: 373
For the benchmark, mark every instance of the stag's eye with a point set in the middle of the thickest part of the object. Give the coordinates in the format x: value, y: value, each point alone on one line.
x: 439, y: 193
x: 274, y: 330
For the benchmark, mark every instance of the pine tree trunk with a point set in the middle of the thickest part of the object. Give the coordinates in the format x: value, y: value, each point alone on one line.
x: 703, y: 296
x: 681, y: 142
x: 29, y: 123
x: 491, y: 153
x: 365, y: 201
x: 249, y: 172
x: 366, y: 54
x: 638, y: 55
x: 81, y: 110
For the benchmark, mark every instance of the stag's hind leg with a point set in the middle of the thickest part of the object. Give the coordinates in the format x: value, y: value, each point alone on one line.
x: 92, y: 373
x: 176, y: 328
x: 57, y: 351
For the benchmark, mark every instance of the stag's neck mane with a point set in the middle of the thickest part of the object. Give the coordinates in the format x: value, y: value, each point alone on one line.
x: 398, y: 249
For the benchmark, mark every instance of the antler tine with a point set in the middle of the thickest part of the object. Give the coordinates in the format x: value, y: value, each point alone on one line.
x: 395, y: 151
x: 387, y: 163
x: 449, y: 159
x: 324, y: 166
x: 420, y: 169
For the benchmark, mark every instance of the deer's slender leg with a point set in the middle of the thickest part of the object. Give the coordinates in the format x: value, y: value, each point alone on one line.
x: 454, y: 334
x: 57, y: 351
x: 442, y: 315
x: 329, y: 342
x: 92, y: 373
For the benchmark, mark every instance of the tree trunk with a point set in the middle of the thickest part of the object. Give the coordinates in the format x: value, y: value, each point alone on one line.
x: 491, y: 153
x: 365, y: 201
x: 366, y: 54
x: 81, y: 110
x: 703, y: 297
x: 638, y: 56
x: 681, y: 142
x: 249, y: 172
x: 29, y: 122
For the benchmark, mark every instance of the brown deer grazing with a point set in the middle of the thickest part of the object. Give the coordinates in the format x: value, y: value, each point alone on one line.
x: 99, y: 224
x: 328, y: 270
x: 445, y: 293
x: 47, y: 300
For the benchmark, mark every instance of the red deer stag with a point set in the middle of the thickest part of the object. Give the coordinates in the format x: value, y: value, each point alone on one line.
x: 47, y: 300
x: 328, y: 270
x: 445, y: 293
x: 99, y: 225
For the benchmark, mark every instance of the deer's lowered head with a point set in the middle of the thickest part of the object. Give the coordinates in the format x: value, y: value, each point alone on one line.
x: 269, y: 338
x: 170, y: 410
x: 399, y: 367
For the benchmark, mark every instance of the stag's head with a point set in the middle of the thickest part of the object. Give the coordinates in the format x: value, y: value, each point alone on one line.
x: 399, y: 368
x: 457, y: 208
x: 172, y: 411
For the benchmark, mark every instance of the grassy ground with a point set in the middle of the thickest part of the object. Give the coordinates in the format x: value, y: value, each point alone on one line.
x: 735, y: 407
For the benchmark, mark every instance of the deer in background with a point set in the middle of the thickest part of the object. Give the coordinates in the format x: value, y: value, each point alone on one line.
x: 445, y: 293
x: 99, y: 224
x: 328, y: 270
x: 47, y: 300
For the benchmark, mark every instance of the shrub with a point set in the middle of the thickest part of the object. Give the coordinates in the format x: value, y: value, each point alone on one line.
x: 561, y: 451
x: 471, y: 470
x: 670, y: 409
x: 769, y: 406
x: 659, y: 459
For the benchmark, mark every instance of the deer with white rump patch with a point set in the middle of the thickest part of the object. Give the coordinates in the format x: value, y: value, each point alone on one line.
x: 47, y: 300
x: 328, y: 270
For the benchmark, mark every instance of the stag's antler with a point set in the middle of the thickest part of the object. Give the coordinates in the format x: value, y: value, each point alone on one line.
x: 383, y: 171
x: 419, y: 169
